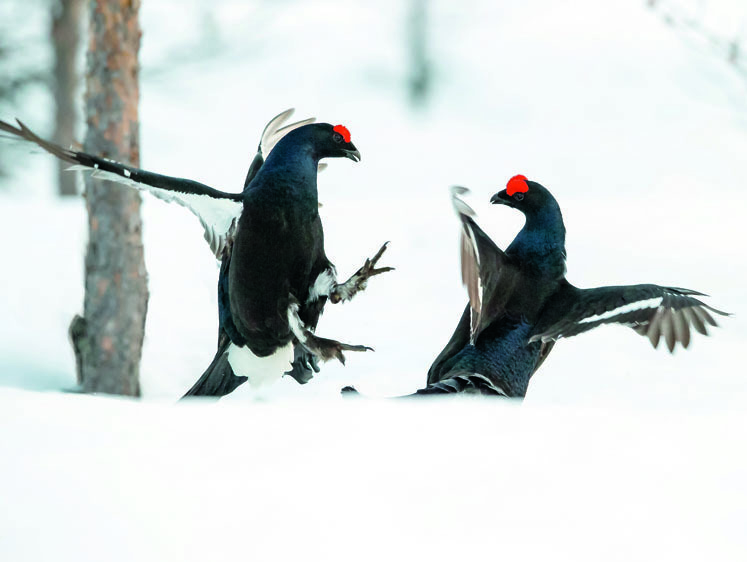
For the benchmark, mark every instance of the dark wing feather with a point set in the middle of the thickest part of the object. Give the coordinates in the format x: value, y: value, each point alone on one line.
x: 544, y: 352
x: 463, y: 382
x: 651, y: 310
x: 482, y: 263
x: 485, y: 269
x: 458, y: 340
x: 218, y: 211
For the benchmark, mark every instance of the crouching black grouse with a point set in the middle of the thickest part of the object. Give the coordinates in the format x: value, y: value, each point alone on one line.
x: 520, y: 302
x: 275, y: 277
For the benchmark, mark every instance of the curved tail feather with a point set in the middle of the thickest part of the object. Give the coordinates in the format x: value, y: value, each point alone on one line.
x: 219, y: 378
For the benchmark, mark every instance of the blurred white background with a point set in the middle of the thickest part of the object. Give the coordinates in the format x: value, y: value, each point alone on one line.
x: 632, y: 119
x: 631, y: 113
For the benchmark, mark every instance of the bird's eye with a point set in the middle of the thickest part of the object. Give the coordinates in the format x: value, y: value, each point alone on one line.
x: 519, y: 196
x: 337, y: 137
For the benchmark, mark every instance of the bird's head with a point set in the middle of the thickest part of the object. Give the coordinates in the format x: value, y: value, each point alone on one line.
x: 526, y: 196
x: 332, y: 142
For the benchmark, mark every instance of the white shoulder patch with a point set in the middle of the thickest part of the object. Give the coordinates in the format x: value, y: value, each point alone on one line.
x: 323, y: 285
x: 638, y: 305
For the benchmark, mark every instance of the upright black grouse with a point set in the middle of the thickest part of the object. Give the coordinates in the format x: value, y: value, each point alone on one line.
x: 275, y: 277
x: 520, y: 302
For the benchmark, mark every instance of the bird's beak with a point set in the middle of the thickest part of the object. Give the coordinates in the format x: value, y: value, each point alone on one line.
x: 500, y: 198
x: 354, y: 155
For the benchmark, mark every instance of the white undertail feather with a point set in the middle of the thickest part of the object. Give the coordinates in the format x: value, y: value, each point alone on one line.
x: 261, y: 371
x: 273, y: 131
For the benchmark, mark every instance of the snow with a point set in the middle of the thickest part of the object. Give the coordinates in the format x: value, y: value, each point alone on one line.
x: 367, y: 480
x: 619, y: 451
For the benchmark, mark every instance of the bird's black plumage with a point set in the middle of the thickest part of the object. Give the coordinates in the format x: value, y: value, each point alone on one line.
x: 275, y: 276
x: 520, y: 302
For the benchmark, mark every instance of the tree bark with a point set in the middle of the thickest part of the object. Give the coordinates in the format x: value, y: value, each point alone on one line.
x: 66, y: 17
x: 110, y: 337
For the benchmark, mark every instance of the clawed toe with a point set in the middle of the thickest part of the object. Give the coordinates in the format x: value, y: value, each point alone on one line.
x: 348, y: 347
x: 328, y: 349
x: 381, y: 251
x: 339, y: 347
x: 373, y: 272
x: 369, y: 267
x: 358, y: 281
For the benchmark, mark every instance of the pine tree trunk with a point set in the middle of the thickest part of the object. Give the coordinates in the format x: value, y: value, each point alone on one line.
x: 66, y: 17
x: 110, y: 336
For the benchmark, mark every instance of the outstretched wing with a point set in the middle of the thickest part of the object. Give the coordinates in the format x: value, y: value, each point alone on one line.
x: 651, y: 310
x: 218, y: 211
x: 486, y: 271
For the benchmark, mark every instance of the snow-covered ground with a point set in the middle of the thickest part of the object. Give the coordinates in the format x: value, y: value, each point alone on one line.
x: 619, y: 452
x: 366, y: 480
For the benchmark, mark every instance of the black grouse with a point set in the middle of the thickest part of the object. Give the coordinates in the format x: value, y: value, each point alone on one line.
x: 275, y: 277
x: 520, y: 302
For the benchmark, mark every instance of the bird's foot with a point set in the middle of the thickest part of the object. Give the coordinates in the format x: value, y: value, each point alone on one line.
x: 328, y: 349
x: 357, y: 282
x: 323, y: 348
x: 304, y: 365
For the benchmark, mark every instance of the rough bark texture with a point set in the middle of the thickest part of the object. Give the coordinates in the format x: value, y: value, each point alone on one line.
x: 66, y: 17
x: 109, y: 339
